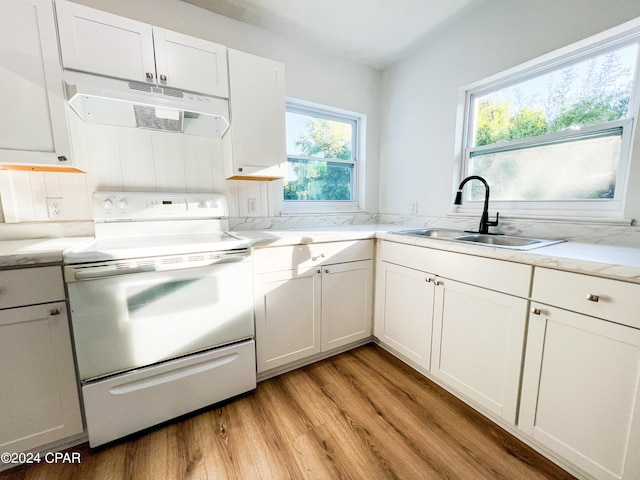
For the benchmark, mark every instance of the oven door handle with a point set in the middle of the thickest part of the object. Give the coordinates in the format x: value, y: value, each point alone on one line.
x: 94, y: 273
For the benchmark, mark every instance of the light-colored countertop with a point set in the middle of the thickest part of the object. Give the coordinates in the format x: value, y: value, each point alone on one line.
x: 35, y: 251
x: 621, y: 263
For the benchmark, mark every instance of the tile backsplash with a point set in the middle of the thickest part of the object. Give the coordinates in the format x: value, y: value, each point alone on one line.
x: 300, y: 221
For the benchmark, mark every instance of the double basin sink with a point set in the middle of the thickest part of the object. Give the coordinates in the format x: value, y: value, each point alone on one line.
x: 490, y: 240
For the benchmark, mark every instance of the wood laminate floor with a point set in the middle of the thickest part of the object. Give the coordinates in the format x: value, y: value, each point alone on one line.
x: 360, y: 415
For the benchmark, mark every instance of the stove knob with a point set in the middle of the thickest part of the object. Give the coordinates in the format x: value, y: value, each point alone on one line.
x: 122, y: 204
x: 107, y: 204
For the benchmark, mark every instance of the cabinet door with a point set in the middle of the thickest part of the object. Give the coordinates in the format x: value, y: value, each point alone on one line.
x: 189, y: 63
x: 478, y: 341
x: 580, y: 391
x: 347, y: 294
x: 99, y: 42
x: 38, y: 393
x: 287, y: 312
x: 404, y: 311
x: 256, y: 141
x: 33, y: 125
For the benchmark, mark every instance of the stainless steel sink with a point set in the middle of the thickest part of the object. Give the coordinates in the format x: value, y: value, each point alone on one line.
x: 507, y: 241
x: 498, y: 241
x: 433, y: 233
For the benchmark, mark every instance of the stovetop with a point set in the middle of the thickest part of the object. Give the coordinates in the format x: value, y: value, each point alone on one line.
x: 138, y: 224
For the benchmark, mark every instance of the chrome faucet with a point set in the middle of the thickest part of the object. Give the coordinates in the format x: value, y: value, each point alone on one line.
x: 484, y: 219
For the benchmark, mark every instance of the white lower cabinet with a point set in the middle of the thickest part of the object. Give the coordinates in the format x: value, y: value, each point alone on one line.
x: 347, y: 295
x: 567, y: 380
x: 287, y: 312
x: 468, y: 337
x: 478, y: 341
x: 404, y: 311
x: 317, y: 306
x: 581, y: 391
x: 38, y: 388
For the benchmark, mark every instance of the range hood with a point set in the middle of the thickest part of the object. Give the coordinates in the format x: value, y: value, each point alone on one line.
x: 111, y: 101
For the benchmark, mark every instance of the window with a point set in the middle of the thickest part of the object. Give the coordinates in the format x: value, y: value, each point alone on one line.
x: 555, y: 137
x: 322, y: 155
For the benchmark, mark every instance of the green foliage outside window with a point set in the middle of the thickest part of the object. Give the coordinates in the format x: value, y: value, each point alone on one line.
x: 321, y: 180
x: 602, y: 97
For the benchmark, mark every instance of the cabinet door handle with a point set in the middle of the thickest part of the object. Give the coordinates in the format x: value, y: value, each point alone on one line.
x: 163, y: 78
x: 536, y: 311
x: 54, y: 311
x: 326, y: 270
x: 149, y: 75
x: 313, y: 259
x: 428, y: 279
x: 593, y: 298
x: 439, y: 283
x: 319, y: 271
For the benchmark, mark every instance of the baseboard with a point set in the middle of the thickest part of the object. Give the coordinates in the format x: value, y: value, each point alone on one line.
x: 274, y: 372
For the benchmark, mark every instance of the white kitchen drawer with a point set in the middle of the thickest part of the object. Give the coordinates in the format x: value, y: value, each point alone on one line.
x: 29, y: 286
x: 598, y: 297
x: 302, y: 257
x: 505, y: 277
x: 127, y: 403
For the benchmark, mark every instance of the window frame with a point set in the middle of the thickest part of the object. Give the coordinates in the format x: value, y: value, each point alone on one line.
x: 589, y: 208
x: 357, y: 122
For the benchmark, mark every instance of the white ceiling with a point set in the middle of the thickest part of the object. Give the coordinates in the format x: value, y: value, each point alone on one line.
x: 374, y: 32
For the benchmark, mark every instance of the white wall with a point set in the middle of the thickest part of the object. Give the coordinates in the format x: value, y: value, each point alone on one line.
x: 420, y: 93
x: 311, y: 75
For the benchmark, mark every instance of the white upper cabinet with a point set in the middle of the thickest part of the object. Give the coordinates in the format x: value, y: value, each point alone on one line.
x: 102, y: 43
x: 255, y: 143
x: 33, y: 124
x: 190, y: 63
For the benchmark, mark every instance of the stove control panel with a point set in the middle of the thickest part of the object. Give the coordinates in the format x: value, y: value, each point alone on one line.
x: 124, y: 206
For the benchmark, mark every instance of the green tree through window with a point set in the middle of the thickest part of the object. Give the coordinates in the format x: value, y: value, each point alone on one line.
x: 599, y: 95
x: 321, y: 160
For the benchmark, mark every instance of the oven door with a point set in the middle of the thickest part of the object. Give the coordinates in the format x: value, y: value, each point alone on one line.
x: 122, y: 321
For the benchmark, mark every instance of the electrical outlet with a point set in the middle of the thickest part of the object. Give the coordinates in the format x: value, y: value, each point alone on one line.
x: 252, y: 205
x: 414, y: 207
x: 55, y: 206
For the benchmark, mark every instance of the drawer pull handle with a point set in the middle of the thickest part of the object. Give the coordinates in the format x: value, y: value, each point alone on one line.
x: 313, y: 259
x: 54, y: 311
x: 593, y: 298
x: 536, y: 311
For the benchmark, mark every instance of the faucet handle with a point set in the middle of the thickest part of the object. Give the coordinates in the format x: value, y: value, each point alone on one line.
x: 495, y: 222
